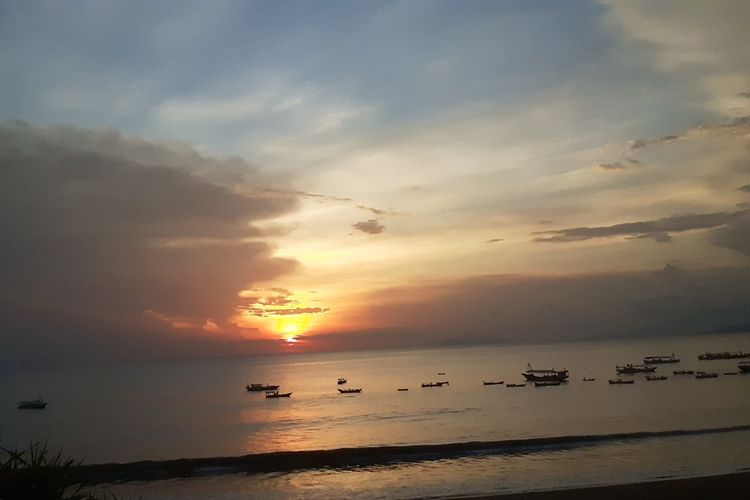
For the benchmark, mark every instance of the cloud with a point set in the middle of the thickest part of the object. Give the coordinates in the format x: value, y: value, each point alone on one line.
x: 619, y: 166
x: 657, y: 229
x: 524, y: 308
x: 100, y: 227
x: 643, y: 143
x: 371, y: 226
x: 735, y: 235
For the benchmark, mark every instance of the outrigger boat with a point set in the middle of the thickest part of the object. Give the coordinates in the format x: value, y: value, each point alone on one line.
x: 707, y: 356
x: 492, y: 382
x: 553, y: 374
x: 35, y: 404
x: 261, y: 387
x: 631, y: 368
x: 619, y: 381
x: 435, y: 384
x: 349, y: 391
x: 653, y: 360
x: 545, y: 383
x: 683, y: 372
x: 276, y: 394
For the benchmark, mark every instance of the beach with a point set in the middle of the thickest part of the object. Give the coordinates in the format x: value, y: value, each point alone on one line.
x: 725, y: 486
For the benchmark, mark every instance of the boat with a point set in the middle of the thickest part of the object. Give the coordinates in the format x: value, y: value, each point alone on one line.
x: 654, y: 360
x: 349, y: 391
x: 588, y: 379
x: 402, y: 389
x: 730, y: 373
x: 441, y: 373
x: 683, y: 372
x: 545, y: 383
x: 261, y: 387
x: 341, y: 381
x: 708, y: 356
x: 492, y: 382
x: 744, y: 366
x: 631, y: 368
x: 35, y: 404
x: 700, y: 375
x: 620, y: 381
x: 277, y: 394
x: 553, y: 374
x: 434, y: 384
x: 651, y: 378
x: 516, y: 385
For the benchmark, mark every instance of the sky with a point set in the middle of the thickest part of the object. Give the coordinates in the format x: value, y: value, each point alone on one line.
x: 231, y: 177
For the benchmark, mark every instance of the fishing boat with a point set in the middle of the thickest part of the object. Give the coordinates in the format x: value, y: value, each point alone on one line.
x: 585, y: 379
x: 653, y: 360
x: 619, y: 381
x: 546, y: 383
x: 349, y: 391
x: 708, y: 356
x: 35, y: 404
x: 683, y: 372
x: 492, y: 382
x: 515, y: 385
x: 730, y: 373
x: 631, y: 368
x: 744, y: 366
x: 553, y: 374
x: 700, y: 375
x: 261, y: 387
x: 434, y: 384
x: 652, y: 378
x: 341, y: 381
x: 277, y: 394
x: 402, y: 389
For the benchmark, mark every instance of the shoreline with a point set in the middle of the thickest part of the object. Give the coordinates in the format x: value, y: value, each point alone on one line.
x: 725, y: 486
x: 147, y: 470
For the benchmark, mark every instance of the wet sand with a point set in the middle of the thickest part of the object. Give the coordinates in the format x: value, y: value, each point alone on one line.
x: 729, y: 486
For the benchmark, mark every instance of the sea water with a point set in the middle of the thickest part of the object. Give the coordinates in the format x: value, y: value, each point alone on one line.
x: 201, y: 409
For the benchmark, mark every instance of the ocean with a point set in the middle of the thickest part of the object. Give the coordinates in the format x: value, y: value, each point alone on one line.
x: 522, y: 439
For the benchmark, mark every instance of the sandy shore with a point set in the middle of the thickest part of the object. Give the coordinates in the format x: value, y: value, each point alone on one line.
x: 729, y: 486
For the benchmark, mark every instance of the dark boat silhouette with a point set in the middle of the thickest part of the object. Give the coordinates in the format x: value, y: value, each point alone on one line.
x: 707, y: 356
x: 631, y: 368
x: 492, y: 382
x: 277, y: 394
x: 653, y: 360
x: 435, y: 384
x: 35, y: 404
x: 261, y: 387
x: 349, y: 391
x: 341, y: 381
x: 619, y: 381
x: 553, y: 374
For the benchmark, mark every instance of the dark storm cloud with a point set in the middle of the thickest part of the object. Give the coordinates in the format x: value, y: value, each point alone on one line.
x: 90, y: 232
x: 517, y: 308
x: 658, y: 229
x: 371, y: 226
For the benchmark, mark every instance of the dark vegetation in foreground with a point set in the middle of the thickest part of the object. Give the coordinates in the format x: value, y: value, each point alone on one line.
x: 38, y: 473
